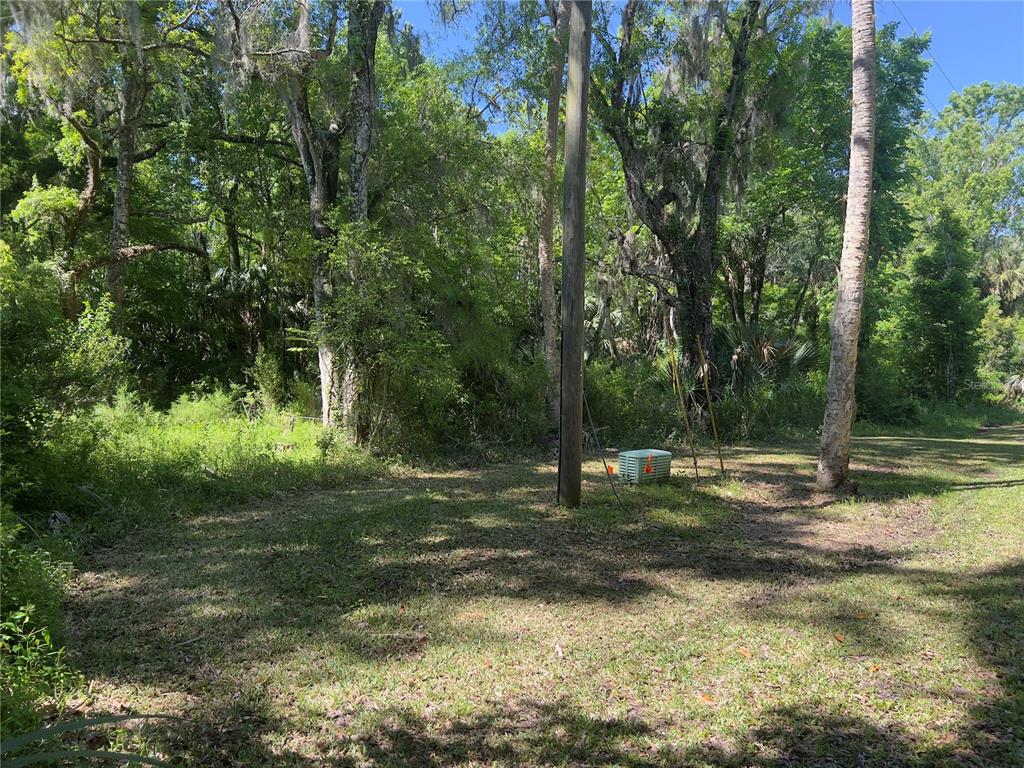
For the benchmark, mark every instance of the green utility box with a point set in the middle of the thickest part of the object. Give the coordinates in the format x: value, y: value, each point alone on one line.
x: 646, y: 465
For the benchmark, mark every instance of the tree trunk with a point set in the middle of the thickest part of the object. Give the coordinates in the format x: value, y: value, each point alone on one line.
x: 119, y: 220
x: 231, y: 229
x: 546, y: 233
x: 840, y: 406
x: 570, y: 453
x: 798, y: 308
x: 704, y: 262
x: 364, y: 20
x: 757, y: 276
x: 64, y: 268
x: 130, y: 99
x: 316, y: 175
x: 67, y: 284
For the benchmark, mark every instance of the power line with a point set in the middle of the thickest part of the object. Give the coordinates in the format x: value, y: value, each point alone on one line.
x: 934, y: 58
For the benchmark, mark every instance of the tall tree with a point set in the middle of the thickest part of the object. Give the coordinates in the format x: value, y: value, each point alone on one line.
x: 131, y: 97
x: 98, y: 67
x: 840, y: 406
x: 675, y: 154
x: 570, y: 452
x: 292, y: 69
x: 364, y: 19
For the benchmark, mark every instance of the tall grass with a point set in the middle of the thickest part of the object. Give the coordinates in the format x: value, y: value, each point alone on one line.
x: 122, y: 465
x: 126, y: 461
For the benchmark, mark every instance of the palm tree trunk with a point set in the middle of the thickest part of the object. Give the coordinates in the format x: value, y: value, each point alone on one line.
x: 840, y: 407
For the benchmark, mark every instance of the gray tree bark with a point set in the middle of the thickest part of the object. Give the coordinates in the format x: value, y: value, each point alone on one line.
x: 570, y: 453
x: 364, y: 19
x: 546, y: 234
x: 318, y: 155
x: 64, y: 267
x: 130, y: 99
x: 840, y: 406
x: 321, y: 189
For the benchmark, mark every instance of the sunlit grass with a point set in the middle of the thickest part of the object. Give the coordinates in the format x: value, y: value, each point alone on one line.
x: 459, y: 618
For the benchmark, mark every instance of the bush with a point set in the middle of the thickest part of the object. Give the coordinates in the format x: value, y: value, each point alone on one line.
x: 631, y: 402
x: 770, y: 410
x: 267, y: 379
x: 305, y: 399
x: 1001, y: 344
x: 32, y: 666
x: 130, y: 461
x: 941, y: 418
x: 771, y: 385
x: 122, y: 464
x: 502, y: 403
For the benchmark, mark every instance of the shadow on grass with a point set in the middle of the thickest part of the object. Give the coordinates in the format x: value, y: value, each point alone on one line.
x: 347, y: 569
x: 237, y: 730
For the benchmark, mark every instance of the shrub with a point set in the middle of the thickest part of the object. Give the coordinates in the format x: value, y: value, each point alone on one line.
x: 502, y: 403
x: 131, y: 461
x: 631, y: 401
x: 1001, y: 344
x: 32, y: 666
x: 267, y: 378
x: 305, y: 399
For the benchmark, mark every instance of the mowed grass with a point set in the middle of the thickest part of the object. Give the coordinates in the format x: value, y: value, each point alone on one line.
x: 458, y: 617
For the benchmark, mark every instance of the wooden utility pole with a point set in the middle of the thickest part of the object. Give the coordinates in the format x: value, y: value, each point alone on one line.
x: 570, y: 436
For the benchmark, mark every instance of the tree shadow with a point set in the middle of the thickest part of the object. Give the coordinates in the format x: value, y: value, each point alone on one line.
x: 560, y: 732
x: 350, y: 570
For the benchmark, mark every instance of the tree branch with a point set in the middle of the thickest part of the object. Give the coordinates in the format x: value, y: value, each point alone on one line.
x: 130, y: 252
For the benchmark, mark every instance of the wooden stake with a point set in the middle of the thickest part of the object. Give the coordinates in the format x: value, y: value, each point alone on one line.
x: 570, y: 435
x: 677, y: 385
x: 706, y: 372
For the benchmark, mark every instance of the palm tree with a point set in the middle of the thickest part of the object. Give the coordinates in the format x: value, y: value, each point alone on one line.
x: 834, y: 459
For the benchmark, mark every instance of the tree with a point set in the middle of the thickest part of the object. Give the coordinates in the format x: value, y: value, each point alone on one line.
x: 676, y: 151
x: 364, y: 18
x: 840, y: 406
x: 297, y: 70
x: 970, y: 158
x: 546, y: 231
x: 941, y: 309
x: 97, y: 68
x: 570, y: 452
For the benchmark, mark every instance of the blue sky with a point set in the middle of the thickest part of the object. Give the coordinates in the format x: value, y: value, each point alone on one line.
x: 972, y: 40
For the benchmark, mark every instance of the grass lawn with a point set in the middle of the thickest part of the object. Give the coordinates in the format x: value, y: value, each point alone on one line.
x: 458, y: 617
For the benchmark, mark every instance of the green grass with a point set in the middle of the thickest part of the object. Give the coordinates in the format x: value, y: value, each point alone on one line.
x: 102, y: 474
x: 457, y: 617
x: 940, y: 419
x: 127, y: 464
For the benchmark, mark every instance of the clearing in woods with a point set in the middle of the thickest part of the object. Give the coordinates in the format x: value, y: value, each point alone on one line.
x: 458, y: 617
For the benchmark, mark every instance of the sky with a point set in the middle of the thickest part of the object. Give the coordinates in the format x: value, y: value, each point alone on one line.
x: 972, y: 40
